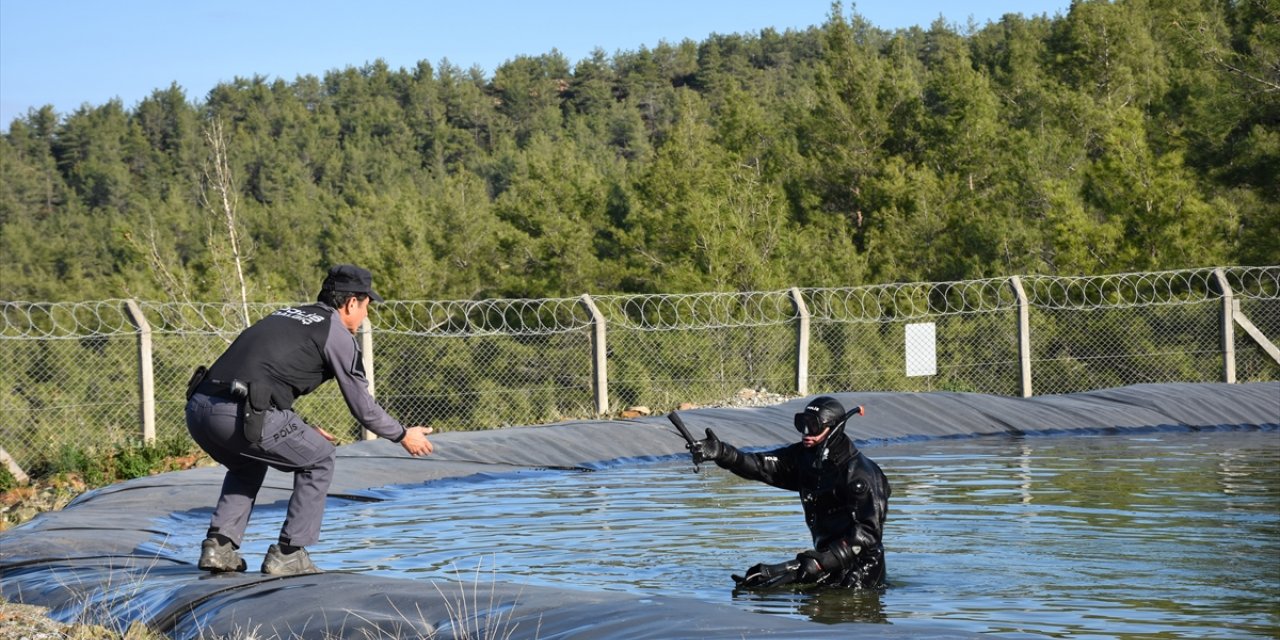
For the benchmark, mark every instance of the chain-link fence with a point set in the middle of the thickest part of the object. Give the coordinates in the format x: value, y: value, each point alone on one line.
x: 79, y: 375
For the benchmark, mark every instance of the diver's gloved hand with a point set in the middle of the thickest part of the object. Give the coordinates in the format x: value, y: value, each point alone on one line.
x: 769, y: 575
x: 709, y: 448
x: 816, y: 565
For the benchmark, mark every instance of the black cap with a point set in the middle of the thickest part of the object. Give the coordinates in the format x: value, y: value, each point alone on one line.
x: 352, y: 279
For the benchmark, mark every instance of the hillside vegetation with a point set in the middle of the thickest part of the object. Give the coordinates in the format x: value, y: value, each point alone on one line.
x: 1121, y: 136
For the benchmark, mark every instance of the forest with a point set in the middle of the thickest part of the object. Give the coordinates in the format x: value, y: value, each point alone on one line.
x: 1135, y: 135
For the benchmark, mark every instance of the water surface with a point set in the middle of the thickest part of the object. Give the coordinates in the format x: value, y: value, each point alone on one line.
x: 1168, y: 534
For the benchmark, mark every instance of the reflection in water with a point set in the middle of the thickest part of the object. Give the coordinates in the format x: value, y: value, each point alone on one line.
x: 1154, y: 534
x: 828, y: 606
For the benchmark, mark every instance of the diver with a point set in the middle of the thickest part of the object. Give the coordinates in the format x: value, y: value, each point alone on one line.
x: 844, y: 493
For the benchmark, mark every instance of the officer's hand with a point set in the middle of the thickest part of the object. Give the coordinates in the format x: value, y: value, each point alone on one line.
x: 709, y: 448
x: 415, y: 441
x: 325, y: 434
x: 769, y: 575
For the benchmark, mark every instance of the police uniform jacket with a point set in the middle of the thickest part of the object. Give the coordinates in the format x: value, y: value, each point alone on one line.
x: 289, y: 353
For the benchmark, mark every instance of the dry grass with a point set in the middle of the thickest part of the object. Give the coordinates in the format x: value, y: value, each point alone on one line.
x: 31, y: 622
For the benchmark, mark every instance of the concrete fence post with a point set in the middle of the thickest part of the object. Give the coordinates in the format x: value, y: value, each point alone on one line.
x: 599, y: 355
x: 802, y: 342
x: 1024, y: 337
x: 366, y: 360
x: 146, y: 371
x: 1227, y: 328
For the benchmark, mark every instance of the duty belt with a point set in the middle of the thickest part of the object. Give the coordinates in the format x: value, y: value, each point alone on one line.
x: 239, y: 392
x: 234, y: 390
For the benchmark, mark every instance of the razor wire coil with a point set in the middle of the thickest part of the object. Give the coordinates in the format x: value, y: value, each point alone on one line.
x: 662, y: 312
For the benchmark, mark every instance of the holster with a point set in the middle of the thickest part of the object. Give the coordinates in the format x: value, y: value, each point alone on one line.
x: 254, y: 399
x: 255, y: 411
x: 253, y: 423
x: 200, y: 374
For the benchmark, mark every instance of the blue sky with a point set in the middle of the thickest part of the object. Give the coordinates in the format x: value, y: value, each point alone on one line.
x: 70, y: 52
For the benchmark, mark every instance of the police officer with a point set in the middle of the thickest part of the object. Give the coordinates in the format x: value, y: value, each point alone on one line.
x: 240, y: 412
x: 844, y: 493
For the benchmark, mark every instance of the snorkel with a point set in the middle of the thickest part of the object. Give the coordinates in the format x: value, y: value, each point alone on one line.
x: 838, y: 429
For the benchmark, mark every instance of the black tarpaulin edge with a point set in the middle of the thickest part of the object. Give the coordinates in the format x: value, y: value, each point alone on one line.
x: 99, y: 559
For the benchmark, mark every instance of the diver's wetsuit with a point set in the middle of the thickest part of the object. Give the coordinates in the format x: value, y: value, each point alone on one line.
x: 845, y: 498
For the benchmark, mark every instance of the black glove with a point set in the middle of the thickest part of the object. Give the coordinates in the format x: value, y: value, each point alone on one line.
x: 816, y: 565
x: 769, y: 575
x: 708, y: 449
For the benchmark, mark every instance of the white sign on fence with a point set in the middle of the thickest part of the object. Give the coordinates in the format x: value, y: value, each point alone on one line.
x: 922, y: 349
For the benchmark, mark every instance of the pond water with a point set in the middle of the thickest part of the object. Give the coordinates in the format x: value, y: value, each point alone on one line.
x: 1157, y: 534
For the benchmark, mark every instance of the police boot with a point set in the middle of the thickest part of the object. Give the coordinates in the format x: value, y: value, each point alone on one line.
x: 219, y: 557
x: 279, y: 563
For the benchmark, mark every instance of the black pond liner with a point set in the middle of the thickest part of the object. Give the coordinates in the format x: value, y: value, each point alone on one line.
x: 97, y: 560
